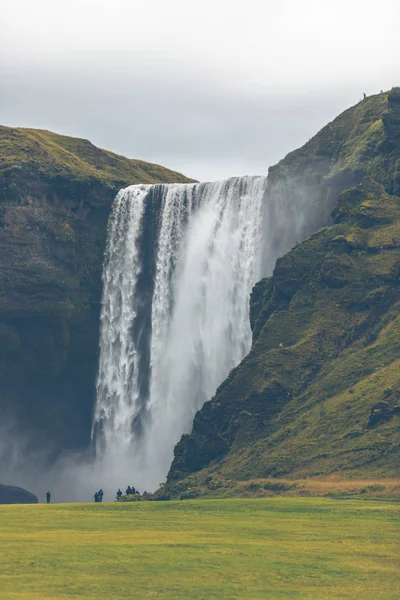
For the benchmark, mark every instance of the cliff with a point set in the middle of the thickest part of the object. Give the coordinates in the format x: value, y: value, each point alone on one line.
x: 55, y: 197
x: 319, y: 391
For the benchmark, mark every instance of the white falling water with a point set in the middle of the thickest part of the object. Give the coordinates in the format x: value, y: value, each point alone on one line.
x: 117, y: 390
x: 206, y: 261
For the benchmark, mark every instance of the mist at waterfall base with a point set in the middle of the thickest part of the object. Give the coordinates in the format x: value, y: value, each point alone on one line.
x: 180, y: 264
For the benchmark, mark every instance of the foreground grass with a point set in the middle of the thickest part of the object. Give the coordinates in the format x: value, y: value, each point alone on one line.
x: 259, y: 548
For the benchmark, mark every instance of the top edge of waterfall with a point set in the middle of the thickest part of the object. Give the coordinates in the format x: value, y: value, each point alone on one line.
x: 147, y: 186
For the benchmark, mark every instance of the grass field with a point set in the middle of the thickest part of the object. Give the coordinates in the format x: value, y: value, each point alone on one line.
x: 241, y: 548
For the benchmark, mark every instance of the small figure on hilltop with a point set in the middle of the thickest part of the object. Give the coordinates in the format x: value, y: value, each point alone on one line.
x: 101, y: 494
x: 96, y: 497
x: 119, y: 494
x: 365, y: 95
x: 48, y: 497
x: 129, y: 491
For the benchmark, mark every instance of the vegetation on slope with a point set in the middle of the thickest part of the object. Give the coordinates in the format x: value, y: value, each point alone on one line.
x: 361, y: 141
x: 275, y: 548
x: 319, y: 391
x: 44, y: 153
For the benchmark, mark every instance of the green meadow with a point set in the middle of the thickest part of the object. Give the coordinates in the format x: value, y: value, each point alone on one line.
x: 239, y: 548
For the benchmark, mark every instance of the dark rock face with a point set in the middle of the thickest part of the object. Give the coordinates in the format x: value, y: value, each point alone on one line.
x: 49, y: 308
x: 55, y: 198
x: 16, y: 495
x: 381, y: 412
x: 325, y: 325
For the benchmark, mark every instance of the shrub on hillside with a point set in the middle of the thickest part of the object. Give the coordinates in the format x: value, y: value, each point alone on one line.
x: 253, y: 487
x: 279, y: 486
x: 377, y: 487
x: 189, y: 495
x: 130, y: 498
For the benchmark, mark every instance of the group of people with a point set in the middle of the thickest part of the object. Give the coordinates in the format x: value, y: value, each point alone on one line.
x: 98, y: 497
x: 130, y: 491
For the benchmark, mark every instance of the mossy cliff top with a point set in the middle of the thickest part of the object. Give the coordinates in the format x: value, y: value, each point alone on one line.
x: 45, y: 154
x: 319, y: 391
x: 363, y: 140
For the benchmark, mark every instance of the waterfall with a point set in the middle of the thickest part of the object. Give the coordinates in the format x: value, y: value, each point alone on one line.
x: 180, y: 263
x: 117, y: 384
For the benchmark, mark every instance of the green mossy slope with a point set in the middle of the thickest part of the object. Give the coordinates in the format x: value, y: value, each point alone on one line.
x: 48, y: 154
x: 319, y: 391
x: 55, y: 197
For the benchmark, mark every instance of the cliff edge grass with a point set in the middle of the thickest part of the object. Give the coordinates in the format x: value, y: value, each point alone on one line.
x: 319, y: 393
x: 43, y: 153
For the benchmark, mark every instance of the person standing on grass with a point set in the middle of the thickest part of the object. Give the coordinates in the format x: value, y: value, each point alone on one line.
x: 101, y: 494
x: 119, y: 494
x: 48, y: 497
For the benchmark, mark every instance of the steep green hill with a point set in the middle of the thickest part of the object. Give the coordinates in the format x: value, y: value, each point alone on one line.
x: 45, y: 154
x: 55, y: 197
x: 319, y: 391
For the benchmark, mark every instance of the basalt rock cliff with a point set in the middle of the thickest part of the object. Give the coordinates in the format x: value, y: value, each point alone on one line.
x: 55, y: 198
x: 319, y: 391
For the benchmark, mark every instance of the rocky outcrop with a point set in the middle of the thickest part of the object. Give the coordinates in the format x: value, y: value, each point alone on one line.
x: 10, y: 494
x: 55, y: 197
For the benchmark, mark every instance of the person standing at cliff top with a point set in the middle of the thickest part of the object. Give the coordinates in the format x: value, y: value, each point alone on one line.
x: 48, y: 497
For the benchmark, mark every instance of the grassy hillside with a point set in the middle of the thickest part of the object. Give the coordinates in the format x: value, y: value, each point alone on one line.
x: 48, y: 154
x: 275, y: 548
x: 319, y: 392
x: 360, y: 141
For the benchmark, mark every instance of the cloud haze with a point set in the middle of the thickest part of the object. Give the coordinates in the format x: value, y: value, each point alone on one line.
x: 211, y: 89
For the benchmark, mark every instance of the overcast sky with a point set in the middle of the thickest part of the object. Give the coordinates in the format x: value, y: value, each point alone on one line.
x: 211, y: 88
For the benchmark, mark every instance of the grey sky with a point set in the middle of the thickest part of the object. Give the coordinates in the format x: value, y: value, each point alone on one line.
x: 209, y: 88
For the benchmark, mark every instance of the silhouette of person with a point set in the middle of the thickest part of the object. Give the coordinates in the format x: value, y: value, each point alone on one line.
x: 365, y: 95
x: 96, y: 497
x: 101, y: 494
x: 48, y: 497
x: 119, y: 494
x: 128, y: 491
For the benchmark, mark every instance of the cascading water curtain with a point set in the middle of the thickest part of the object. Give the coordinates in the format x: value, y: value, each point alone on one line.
x: 180, y: 263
